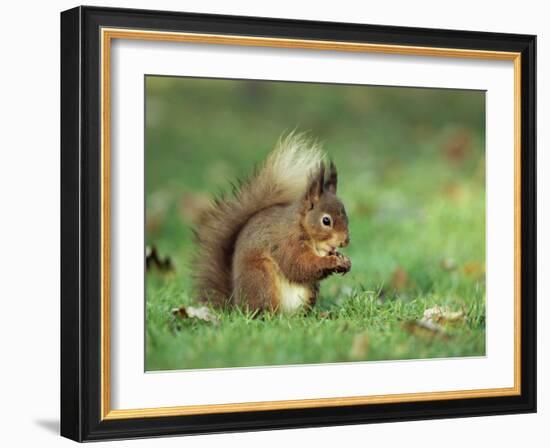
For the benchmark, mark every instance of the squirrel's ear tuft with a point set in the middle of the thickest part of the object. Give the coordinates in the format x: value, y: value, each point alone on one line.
x: 315, y: 187
x: 332, y: 181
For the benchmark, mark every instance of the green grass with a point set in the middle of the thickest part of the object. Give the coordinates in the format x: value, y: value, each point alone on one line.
x: 411, y: 170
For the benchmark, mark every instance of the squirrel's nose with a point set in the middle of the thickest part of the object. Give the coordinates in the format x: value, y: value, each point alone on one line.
x: 345, y: 242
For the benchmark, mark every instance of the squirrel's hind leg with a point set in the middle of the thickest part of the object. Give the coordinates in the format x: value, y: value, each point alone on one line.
x: 255, y: 280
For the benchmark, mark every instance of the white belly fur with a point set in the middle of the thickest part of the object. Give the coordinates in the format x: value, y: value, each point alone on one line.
x: 293, y: 295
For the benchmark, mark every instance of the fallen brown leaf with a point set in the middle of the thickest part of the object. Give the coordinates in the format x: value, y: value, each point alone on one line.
x: 442, y: 315
x: 400, y: 279
x: 453, y: 191
x: 458, y: 146
x: 200, y: 313
x: 154, y: 261
x: 474, y: 269
x: 425, y: 328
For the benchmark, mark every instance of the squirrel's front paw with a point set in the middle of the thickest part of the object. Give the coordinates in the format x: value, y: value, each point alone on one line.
x: 343, y: 264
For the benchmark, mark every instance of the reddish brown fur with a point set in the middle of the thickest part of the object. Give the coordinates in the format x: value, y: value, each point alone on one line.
x: 264, y: 238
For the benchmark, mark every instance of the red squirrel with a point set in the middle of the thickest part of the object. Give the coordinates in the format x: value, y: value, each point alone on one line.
x: 269, y: 245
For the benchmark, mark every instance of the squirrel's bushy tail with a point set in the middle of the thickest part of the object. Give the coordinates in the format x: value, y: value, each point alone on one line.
x: 282, y: 179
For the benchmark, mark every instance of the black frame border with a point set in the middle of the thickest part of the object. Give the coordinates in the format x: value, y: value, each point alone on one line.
x: 81, y: 223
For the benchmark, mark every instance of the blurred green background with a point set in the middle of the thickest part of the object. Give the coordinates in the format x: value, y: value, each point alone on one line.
x: 411, y: 174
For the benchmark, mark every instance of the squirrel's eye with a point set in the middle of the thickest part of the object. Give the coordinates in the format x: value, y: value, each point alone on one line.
x: 326, y: 220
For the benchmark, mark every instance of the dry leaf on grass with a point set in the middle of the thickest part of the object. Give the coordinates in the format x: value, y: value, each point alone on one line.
x: 360, y: 346
x: 431, y: 323
x: 425, y: 328
x: 400, y: 279
x: 200, y: 313
x: 154, y: 261
x: 458, y: 146
x: 453, y: 191
x: 474, y: 269
x: 442, y: 315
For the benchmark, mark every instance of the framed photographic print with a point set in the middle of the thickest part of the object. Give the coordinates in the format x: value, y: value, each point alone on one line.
x: 275, y: 224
